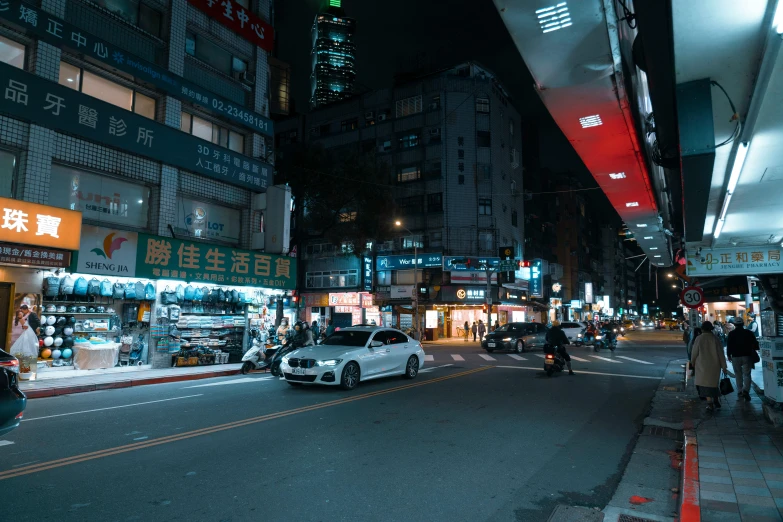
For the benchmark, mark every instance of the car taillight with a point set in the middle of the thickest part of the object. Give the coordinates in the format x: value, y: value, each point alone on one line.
x: 12, y: 365
x: 21, y: 414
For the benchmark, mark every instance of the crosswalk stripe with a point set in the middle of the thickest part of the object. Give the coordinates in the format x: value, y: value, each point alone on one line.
x: 632, y: 359
x: 605, y: 359
x: 574, y: 357
x: 429, y: 358
x: 540, y: 355
x: 517, y: 357
x: 487, y: 357
x: 457, y: 357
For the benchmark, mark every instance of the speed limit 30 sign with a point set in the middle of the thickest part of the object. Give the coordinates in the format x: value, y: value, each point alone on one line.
x: 692, y: 297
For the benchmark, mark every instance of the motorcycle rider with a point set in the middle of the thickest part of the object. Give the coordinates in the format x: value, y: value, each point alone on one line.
x: 558, y: 338
x: 308, y: 334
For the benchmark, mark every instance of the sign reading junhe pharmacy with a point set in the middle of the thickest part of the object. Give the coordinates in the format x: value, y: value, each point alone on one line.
x: 168, y: 258
x: 107, y: 251
x: 31, y: 98
x: 240, y: 20
x: 59, y: 33
x: 735, y: 261
x: 40, y: 225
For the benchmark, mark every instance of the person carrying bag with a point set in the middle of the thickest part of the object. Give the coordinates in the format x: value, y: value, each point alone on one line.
x: 708, y: 360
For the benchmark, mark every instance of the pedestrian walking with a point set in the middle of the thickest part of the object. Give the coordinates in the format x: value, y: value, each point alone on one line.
x: 708, y: 360
x: 467, y: 330
x: 497, y: 325
x: 482, y: 329
x: 741, y: 349
x: 474, y: 330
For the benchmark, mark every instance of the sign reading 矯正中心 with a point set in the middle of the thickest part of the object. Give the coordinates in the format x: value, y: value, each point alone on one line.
x: 34, y: 256
x: 59, y: 33
x: 240, y: 20
x: 40, y: 225
x: 735, y: 261
x: 43, y: 102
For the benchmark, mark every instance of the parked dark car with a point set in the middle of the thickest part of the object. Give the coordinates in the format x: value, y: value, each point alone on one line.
x: 515, y: 336
x: 12, y: 400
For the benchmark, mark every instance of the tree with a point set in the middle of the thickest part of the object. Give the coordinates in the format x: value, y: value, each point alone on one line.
x: 341, y: 196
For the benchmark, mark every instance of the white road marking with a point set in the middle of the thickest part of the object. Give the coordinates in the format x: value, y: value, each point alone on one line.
x: 580, y: 372
x: 6, y: 442
x: 574, y: 357
x: 111, y: 407
x: 434, y: 368
x: 429, y: 358
x: 605, y: 359
x: 632, y: 359
x: 543, y: 356
x: 225, y: 383
x: 517, y: 357
x: 487, y: 357
x: 457, y: 357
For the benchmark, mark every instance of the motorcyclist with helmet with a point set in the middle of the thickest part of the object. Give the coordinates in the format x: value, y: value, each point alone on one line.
x: 557, y: 338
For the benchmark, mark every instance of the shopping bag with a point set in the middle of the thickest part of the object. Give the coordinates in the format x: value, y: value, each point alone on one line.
x: 756, y: 357
x: 725, y: 385
x: 26, y: 345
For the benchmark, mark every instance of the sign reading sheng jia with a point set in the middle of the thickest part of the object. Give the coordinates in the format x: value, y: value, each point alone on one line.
x: 735, y: 261
x: 240, y: 20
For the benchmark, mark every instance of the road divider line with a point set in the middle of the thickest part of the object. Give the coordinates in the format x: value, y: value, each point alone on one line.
x: 580, y: 372
x: 111, y: 408
x: 457, y: 357
x: 632, y: 359
x: 43, y: 466
x: 605, y: 359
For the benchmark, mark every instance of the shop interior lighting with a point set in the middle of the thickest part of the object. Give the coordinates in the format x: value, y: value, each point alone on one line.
x: 641, y: 225
x: 718, y: 228
x: 590, y: 121
x: 554, y: 17
x: 648, y: 237
x: 777, y: 22
x: 658, y: 255
x: 632, y: 204
x: 736, y: 170
x: 653, y: 248
x: 617, y: 175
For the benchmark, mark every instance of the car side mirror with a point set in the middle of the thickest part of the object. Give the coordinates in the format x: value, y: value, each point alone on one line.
x: 376, y: 344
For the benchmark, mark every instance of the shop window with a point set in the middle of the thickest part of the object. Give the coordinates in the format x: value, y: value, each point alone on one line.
x: 483, y: 139
x: 106, y: 90
x: 333, y: 279
x: 212, y: 54
x: 407, y: 174
x: 8, y: 163
x: 435, y: 202
x: 485, y: 206
x: 145, y: 17
x: 206, y: 130
x: 409, y: 140
x: 482, y: 105
x: 12, y: 52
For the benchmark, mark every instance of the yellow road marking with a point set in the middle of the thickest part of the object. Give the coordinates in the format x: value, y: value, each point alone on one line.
x: 43, y: 466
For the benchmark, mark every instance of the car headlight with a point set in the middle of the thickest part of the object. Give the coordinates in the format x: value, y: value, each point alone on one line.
x: 579, y: 335
x: 328, y: 362
x: 599, y: 337
x: 285, y: 360
x: 506, y: 339
x: 615, y: 330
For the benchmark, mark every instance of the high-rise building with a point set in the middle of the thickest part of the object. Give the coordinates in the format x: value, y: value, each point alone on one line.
x: 333, y: 55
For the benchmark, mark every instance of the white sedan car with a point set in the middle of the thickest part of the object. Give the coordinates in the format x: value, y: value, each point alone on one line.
x: 354, y: 354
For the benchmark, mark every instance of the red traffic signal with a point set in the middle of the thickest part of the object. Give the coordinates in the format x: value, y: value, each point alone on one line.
x: 523, y: 264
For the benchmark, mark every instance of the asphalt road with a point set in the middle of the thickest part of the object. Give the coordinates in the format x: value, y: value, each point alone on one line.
x: 471, y: 439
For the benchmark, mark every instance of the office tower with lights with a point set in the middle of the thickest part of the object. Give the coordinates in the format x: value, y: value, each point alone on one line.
x: 333, y: 56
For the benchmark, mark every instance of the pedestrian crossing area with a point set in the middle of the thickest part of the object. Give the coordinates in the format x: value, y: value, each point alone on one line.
x: 504, y: 358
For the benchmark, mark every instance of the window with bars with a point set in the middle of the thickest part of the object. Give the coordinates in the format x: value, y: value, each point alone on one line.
x: 107, y: 90
x: 407, y: 174
x: 486, y: 241
x: 485, y: 206
x: 332, y: 279
x: 408, y: 106
x: 213, y: 132
x: 482, y: 105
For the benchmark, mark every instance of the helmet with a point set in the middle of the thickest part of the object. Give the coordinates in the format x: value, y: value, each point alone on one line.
x: 72, y: 309
x: 71, y: 320
x: 40, y: 343
x: 50, y: 320
x: 49, y: 330
x: 61, y: 309
x: 51, y: 309
x: 56, y: 354
x: 89, y: 325
x: 48, y: 341
x: 91, y: 310
x: 555, y: 323
x: 67, y: 353
x: 46, y: 353
x: 110, y: 311
x: 61, y: 321
x: 58, y: 341
x: 298, y: 325
x: 58, y: 330
x: 68, y: 330
x: 78, y: 326
x: 43, y: 319
x: 101, y: 309
x: 82, y: 310
x: 68, y: 342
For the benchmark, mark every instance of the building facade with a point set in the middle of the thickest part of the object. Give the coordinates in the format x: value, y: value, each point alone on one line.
x: 333, y: 56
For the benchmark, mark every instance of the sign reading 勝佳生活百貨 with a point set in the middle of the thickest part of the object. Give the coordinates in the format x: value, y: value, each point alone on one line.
x: 43, y: 102
x: 59, y: 33
x: 167, y: 258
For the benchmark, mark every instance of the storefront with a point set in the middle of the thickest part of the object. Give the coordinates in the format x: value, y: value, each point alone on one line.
x: 352, y: 308
x: 514, y: 306
x: 457, y: 305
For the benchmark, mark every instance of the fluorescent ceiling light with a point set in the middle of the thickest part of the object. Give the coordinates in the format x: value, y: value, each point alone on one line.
x: 617, y: 175
x: 660, y: 264
x: 632, y: 204
x: 648, y: 237
x: 653, y: 248
x: 590, y: 121
x: 718, y: 228
x: 777, y: 22
x: 736, y: 169
x: 641, y: 225
x: 659, y: 255
x: 554, y: 17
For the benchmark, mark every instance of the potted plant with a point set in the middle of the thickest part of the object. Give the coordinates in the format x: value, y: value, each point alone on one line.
x: 25, y: 369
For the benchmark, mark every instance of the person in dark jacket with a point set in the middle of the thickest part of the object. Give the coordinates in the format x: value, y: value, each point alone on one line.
x: 557, y: 338
x: 474, y: 330
x: 740, y: 349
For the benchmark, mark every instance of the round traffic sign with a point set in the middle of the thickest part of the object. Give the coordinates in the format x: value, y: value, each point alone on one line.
x: 692, y: 297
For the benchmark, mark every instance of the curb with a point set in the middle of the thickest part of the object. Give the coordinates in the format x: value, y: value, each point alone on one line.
x: 130, y: 383
x: 690, y: 510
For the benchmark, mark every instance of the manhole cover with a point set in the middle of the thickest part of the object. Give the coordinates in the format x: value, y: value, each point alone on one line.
x: 629, y: 518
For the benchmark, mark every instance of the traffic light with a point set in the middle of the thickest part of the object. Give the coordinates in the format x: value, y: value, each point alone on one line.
x: 468, y: 263
x: 523, y: 264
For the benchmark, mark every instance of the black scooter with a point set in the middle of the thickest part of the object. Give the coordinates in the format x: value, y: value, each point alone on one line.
x: 288, y: 346
x: 553, y: 361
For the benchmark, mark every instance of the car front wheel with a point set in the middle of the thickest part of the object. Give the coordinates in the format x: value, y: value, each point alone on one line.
x: 350, y: 378
x: 412, y: 367
x: 520, y: 348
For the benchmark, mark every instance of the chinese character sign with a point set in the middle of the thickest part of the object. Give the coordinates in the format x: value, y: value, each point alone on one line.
x: 240, y: 20
x: 32, y: 224
x: 168, y: 258
x: 764, y: 259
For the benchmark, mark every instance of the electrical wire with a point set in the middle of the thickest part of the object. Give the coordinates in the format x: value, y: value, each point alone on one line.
x: 630, y: 17
x: 734, y: 116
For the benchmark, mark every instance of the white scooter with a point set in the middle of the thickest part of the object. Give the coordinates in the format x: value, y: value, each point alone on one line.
x: 258, y: 357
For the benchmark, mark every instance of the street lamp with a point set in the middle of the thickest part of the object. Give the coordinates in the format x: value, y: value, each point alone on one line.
x: 415, y: 299
x: 674, y: 286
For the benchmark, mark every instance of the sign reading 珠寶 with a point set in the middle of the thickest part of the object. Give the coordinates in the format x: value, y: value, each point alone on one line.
x: 735, y: 261
x: 31, y: 98
x: 32, y: 224
x: 59, y: 33
x: 167, y: 258
x: 240, y: 20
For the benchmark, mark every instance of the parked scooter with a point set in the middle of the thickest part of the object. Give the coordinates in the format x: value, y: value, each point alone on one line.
x: 553, y: 361
x: 260, y: 354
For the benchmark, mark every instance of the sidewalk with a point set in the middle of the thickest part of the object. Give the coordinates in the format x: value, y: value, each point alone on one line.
x: 121, y: 378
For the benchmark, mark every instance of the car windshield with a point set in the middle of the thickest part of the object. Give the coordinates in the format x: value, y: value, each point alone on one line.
x: 347, y: 338
x: 504, y: 328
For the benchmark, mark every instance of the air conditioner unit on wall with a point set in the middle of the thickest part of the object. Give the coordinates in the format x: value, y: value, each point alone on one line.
x: 435, y: 132
x: 382, y: 116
